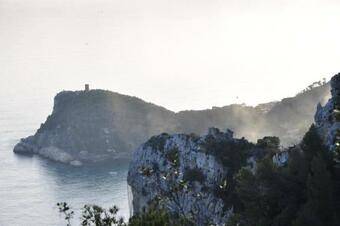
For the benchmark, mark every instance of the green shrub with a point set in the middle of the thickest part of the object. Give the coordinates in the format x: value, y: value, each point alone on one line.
x: 173, y: 157
x: 272, y: 143
x: 157, y: 142
x: 192, y: 175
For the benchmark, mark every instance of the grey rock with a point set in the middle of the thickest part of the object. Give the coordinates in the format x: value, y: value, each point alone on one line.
x: 76, y: 163
x: 281, y: 158
x: 153, y: 174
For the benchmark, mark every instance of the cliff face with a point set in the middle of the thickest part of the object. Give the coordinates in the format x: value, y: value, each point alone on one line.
x: 187, y: 175
x: 97, y: 125
x: 327, y: 118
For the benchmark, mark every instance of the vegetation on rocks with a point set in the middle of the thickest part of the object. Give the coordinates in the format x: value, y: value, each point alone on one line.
x: 306, y: 191
x: 302, y: 193
x: 193, y: 175
x: 173, y: 157
x: 93, y: 215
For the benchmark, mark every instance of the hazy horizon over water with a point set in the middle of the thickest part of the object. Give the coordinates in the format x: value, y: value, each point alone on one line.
x: 30, y: 186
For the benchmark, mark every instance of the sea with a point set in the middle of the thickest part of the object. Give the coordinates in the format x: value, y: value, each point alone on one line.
x: 31, y: 186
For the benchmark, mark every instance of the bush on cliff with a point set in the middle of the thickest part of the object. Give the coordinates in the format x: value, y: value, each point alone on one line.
x: 93, y: 215
x: 192, y: 175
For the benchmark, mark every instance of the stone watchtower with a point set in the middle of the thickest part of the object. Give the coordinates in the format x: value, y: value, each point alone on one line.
x: 87, y: 87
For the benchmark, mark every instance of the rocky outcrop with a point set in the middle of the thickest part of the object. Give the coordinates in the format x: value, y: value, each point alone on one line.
x: 187, y: 174
x: 327, y: 118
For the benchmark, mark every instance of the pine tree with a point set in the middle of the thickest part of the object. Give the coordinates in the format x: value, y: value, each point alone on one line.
x: 319, y: 210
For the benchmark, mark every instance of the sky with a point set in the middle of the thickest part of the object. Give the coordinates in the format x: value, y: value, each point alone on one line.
x: 180, y: 54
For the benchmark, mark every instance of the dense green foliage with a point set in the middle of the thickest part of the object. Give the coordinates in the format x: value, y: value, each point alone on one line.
x: 232, y: 154
x: 151, y: 218
x: 173, y: 157
x: 157, y: 142
x: 300, y: 194
x: 193, y: 175
x: 93, y: 215
x: 272, y: 143
x: 155, y: 217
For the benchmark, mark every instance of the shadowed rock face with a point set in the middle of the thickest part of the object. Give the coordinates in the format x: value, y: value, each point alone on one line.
x: 327, y: 118
x: 97, y: 125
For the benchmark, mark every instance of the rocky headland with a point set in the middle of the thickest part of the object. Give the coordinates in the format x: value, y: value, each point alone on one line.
x: 96, y: 125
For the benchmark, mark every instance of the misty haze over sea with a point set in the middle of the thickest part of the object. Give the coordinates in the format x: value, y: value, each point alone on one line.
x: 31, y: 186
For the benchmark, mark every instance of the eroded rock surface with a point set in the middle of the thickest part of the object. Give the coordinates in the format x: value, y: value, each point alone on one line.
x: 188, y: 174
x: 327, y: 118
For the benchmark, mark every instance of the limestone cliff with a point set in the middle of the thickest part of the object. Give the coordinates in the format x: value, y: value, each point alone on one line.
x: 190, y: 176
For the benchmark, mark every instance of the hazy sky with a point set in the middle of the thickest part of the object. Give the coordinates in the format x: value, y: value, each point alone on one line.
x: 181, y: 54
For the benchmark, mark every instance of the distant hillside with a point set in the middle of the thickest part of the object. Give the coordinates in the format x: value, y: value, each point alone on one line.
x: 96, y: 125
x: 288, y: 119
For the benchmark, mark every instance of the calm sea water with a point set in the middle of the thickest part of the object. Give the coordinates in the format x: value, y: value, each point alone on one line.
x: 30, y: 187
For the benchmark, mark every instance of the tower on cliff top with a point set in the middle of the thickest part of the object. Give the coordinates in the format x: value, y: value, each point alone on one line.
x: 87, y: 87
